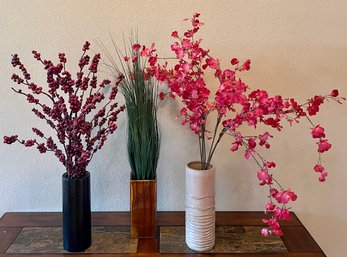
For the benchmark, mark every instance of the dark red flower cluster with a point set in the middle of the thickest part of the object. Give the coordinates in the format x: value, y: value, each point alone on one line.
x: 235, y: 106
x: 80, y: 115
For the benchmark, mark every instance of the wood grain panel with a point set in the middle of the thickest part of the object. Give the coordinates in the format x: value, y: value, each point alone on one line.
x: 147, y: 245
x: 7, y: 236
x: 250, y: 219
x: 298, y: 240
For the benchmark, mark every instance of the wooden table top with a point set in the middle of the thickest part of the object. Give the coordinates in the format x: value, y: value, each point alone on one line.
x: 296, y: 238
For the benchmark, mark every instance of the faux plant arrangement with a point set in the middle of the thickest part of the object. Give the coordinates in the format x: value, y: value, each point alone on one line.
x: 81, y: 118
x: 235, y: 105
x: 141, y: 95
x: 73, y: 112
x: 140, y: 91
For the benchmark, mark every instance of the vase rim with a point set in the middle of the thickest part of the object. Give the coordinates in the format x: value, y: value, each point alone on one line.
x: 192, y: 165
x: 142, y: 180
x: 86, y: 175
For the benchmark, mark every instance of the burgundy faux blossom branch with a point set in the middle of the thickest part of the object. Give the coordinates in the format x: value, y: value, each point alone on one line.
x: 78, y: 112
x: 233, y: 100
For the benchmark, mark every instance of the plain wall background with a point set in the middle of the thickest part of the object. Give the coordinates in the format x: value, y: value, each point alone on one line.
x: 298, y: 49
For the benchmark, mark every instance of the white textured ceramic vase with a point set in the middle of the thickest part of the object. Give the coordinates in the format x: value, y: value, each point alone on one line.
x: 200, y: 207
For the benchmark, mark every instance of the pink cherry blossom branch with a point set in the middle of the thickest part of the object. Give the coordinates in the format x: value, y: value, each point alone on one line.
x: 185, y: 80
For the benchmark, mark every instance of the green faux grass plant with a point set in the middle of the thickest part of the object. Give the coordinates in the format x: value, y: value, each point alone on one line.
x: 142, y: 101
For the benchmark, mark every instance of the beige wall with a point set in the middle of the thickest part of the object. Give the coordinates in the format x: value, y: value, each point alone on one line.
x: 297, y: 48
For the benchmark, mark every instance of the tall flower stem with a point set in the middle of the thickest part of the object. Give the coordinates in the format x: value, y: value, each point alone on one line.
x: 210, y: 154
x: 203, y: 150
x: 214, y: 147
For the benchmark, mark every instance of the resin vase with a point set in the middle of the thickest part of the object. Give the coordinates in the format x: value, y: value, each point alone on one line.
x: 76, y: 213
x: 143, y: 208
x: 200, y: 207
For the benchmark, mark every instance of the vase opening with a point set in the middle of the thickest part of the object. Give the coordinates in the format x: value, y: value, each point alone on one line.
x: 196, y: 165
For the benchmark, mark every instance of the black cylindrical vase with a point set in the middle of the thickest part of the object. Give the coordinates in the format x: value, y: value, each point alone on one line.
x: 76, y: 213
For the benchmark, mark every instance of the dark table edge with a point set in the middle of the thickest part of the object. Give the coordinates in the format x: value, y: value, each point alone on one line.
x: 99, y: 218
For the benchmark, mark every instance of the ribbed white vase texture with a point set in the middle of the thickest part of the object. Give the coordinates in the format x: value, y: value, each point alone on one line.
x: 200, y: 207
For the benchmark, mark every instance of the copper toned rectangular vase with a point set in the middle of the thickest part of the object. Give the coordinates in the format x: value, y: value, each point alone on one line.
x: 143, y: 208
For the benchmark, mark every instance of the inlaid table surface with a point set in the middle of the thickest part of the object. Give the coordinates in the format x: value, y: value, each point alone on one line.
x: 237, y: 234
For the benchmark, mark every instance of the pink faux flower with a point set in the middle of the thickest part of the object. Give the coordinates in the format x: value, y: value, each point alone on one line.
x: 174, y: 34
x: 334, y: 93
x: 285, y: 196
x: 234, y: 61
x: 274, y: 227
x: 318, y: 168
x: 248, y: 154
x: 152, y: 60
x: 263, y: 138
x: 251, y: 143
x: 136, y: 47
x: 323, y: 176
x: 234, y: 147
x: 269, y: 206
x: 178, y: 50
x: 212, y: 63
x: 317, y: 132
x: 147, y: 52
x: 265, y: 232
x: 264, y: 177
x: 282, y: 214
x: 323, y: 145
